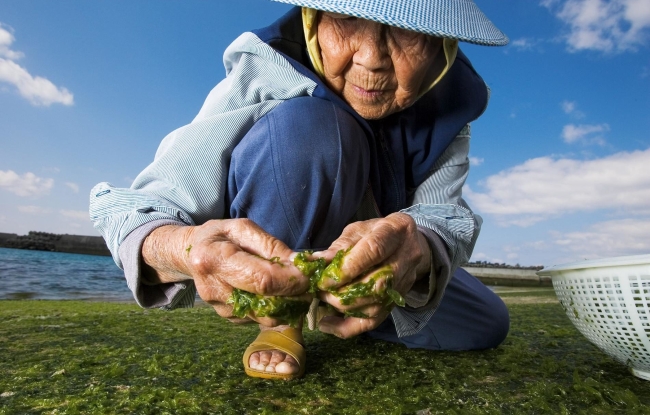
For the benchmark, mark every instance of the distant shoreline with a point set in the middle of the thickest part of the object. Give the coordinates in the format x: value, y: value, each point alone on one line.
x: 43, y: 241
x: 95, y: 245
x: 484, y: 264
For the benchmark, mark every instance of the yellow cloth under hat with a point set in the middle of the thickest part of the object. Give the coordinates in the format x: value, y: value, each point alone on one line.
x: 309, y: 20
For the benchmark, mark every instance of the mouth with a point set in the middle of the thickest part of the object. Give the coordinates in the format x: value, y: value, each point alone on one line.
x: 368, y: 93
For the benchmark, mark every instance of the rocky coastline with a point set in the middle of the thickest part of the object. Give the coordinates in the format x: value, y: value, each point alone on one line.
x: 43, y: 241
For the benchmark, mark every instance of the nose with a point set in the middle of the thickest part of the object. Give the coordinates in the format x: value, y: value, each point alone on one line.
x: 372, y: 52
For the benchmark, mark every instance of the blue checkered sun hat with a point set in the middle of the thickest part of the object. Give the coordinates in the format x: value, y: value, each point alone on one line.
x: 455, y: 19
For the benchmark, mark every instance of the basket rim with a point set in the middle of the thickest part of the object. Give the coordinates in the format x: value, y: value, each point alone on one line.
x: 597, y: 263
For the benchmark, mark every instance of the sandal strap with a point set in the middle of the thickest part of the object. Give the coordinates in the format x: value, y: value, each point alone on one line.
x: 288, y: 341
x: 273, y: 340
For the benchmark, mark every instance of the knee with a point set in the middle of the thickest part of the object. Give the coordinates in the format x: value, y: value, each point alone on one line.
x: 313, y: 131
x: 306, y: 161
x: 304, y: 141
x: 499, y: 324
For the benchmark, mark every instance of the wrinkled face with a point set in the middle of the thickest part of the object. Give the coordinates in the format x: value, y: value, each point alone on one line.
x: 377, y: 69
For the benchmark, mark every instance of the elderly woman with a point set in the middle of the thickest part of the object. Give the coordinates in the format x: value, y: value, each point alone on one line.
x: 345, y: 124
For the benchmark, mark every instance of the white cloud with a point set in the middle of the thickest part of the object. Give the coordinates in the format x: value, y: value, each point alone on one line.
x: 546, y: 187
x: 586, y: 134
x: 523, y: 44
x: 34, y: 210
x: 606, y: 239
x: 481, y: 256
x: 76, y: 214
x: 6, y: 39
x: 26, y: 185
x: 36, y: 89
x: 603, y: 25
x: 568, y: 106
x: 536, y: 245
x: 476, y: 161
x: 73, y: 186
x: 571, y: 108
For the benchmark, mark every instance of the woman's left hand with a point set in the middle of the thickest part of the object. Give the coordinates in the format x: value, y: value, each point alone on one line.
x: 393, y: 241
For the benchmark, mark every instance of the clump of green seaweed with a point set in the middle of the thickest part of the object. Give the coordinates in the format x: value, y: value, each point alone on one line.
x: 365, y: 289
x: 284, y: 308
x: 318, y: 271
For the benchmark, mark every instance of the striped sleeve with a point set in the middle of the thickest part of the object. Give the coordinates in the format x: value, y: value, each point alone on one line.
x: 438, y: 207
x: 186, y: 182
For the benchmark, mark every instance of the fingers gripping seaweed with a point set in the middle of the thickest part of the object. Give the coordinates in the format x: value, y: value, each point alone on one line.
x: 287, y: 309
x: 366, y: 289
x: 317, y: 270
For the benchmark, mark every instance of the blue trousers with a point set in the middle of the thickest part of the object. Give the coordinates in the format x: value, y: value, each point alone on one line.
x: 300, y: 173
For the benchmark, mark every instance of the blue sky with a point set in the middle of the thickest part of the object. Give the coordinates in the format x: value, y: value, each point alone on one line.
x: 560, y: 160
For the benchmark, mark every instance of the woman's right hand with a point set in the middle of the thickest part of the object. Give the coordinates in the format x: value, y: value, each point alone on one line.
x: 221, y: 255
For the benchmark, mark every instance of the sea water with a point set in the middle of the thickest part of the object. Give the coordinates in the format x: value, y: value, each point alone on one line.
x: 26, y: 274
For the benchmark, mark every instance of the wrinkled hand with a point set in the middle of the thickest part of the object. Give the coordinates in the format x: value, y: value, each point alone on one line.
x: 221, y: 255
x: 394, y: 242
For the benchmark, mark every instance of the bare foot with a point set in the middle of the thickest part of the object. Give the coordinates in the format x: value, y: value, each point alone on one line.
x: 274, y: 360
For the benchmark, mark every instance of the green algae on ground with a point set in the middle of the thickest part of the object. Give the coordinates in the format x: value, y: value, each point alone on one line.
x: 71, y: 357
x: 284, y: 308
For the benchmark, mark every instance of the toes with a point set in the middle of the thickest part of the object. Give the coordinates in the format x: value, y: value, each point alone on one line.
x: 288, y: 366
x: 273, y: 361
x: 254, y: 360
x: 260, y: 360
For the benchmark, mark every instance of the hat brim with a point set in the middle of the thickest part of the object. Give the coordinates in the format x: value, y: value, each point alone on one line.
x: 454, y: 19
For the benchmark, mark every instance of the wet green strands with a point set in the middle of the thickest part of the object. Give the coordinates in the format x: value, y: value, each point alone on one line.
x: 356, y: 313
x: 396, y: 297
x: 354, y: 291
x: 390, y: 295
x: 274, y: 260
x: 317, y: 270
x: 283, y: 308
x: 365, y: 289
x: 312, y: 269
x: 333, y: 270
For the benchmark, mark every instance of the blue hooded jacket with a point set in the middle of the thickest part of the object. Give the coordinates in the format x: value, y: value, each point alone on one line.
x: 405, y: 145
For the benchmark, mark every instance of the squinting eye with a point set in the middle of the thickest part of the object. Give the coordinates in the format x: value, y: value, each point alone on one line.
x: 398, y: 32
x: 339, y: 16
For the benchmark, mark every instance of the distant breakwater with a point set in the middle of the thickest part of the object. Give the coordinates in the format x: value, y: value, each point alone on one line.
x: 43, y: 241
x: 509, y: 276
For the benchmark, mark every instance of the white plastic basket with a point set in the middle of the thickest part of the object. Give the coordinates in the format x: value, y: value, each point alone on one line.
x: 608, y: 300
